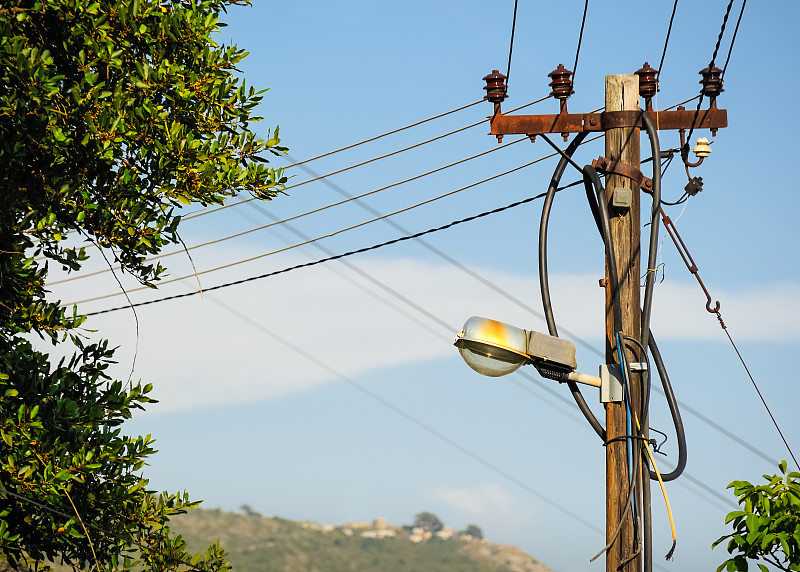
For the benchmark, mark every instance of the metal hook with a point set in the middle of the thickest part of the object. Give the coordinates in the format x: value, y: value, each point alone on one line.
x: 687, y: 259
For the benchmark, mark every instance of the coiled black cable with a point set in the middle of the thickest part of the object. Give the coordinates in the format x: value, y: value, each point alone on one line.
x: 596, y: 197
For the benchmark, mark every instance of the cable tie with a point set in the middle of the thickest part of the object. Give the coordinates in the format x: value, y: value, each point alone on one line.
x: 625, y: 438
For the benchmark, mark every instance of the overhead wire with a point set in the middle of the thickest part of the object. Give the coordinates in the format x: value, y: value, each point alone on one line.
x: 733, y: 40
x: 758, y: 391
x: 710, y: 68
x: 452, y: 261
x: 300, y: 215
x: 666, y: 41
x: 328, y: 235
x: 197, y: 214
x: 694, y: 412
x: 511, y: 43
x: 422, y: 425
x: 376, y: 137
x: 580, y: 40
x: 316, y: 262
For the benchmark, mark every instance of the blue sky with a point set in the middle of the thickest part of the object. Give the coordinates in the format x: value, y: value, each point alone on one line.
x: 321, y: 395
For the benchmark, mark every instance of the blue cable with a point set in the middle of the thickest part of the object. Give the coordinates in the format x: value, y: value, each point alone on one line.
x: 623, y: 362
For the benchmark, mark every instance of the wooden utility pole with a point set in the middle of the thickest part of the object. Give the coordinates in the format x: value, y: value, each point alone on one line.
x: 622, y: 144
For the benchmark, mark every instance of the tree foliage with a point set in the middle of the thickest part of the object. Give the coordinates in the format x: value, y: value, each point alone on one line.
x: 474, y: 531
x: 112, y: 114
x: 428, y: 522
x: 768, y: 527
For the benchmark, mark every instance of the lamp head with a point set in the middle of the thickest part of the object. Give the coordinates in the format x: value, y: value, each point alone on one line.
x: 493, y: 348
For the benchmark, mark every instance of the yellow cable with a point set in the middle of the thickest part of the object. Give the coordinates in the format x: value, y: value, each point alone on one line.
x: 663, y: 491
x: 655, y: 468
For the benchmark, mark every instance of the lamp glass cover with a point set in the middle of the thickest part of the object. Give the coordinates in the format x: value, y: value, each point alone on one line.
x: 489, y: 360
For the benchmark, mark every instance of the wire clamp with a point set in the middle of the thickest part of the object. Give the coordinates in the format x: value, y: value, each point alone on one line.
x: 618, y: 168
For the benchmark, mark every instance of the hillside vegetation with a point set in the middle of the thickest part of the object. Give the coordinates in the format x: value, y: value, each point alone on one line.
x: 260, y: 544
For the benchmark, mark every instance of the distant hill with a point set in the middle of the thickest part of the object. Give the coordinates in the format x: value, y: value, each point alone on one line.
x: 261, y: 544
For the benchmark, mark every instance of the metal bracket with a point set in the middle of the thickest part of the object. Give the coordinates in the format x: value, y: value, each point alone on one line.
x: 623, y: 169
x: 610, y: 383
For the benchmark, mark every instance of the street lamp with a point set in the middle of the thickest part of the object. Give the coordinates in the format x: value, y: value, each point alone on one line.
x: 495, y: 349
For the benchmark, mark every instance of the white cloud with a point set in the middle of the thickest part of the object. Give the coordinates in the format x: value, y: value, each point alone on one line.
x: 487, y: 503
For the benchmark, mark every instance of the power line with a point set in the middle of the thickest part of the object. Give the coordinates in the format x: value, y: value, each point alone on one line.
x: 337, y: 232
x: 223, y: 207
x: 320, y: 261
x: 733, y: 40
x: 666, y: 41
x: 591, y: 348
x: 297, y: 216
x: 758, y: 391
x: 422, y: 425
x: 511, y: 43
x: 580, y: 40
x: 711, y: 66
x: 376, y: 137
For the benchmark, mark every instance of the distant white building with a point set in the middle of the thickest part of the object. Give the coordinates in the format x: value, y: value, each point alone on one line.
x: 381, y: 533
x: 445, y: 533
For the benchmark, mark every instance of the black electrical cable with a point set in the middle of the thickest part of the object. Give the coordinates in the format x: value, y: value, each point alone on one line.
x: 543, y: 276
x: 647, y: 515
x: 591, y: 181
x: 674, y: 411
x: 650, y: 281
x: 597, y: 205
x: 646, y: 336
x: 544, y: 281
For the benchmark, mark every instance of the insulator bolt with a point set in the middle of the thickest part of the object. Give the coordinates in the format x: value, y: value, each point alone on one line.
x: 711, y: 82
x: 561, y: 84
x: 702, y: 149
x: 495, y: 87
x: 648, y: 85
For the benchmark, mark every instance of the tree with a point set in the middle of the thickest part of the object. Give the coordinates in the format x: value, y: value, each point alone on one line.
x: 112, y: 114
x: 474, y: 531
x: 428, y: 522
x: 768, y: 528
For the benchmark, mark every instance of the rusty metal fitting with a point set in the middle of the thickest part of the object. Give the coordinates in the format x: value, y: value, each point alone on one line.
x: 648, y: 84
x: 562, y: 83
x: 711, y: 82
x: 495, y: 87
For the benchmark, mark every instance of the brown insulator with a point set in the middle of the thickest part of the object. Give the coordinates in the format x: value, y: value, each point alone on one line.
x: 562, y: 83
x: 648, y: 84
x: 495, y: 87
x: 711, y: 82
